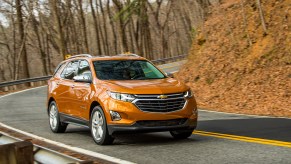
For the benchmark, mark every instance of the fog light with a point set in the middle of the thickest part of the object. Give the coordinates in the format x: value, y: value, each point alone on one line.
x: 115, y: 116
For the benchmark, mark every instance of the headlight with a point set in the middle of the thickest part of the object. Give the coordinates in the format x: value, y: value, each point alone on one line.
x: 188, y: 94
x: 121, y: 96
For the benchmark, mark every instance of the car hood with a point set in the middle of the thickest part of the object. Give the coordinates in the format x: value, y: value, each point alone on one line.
x: 152, y: 86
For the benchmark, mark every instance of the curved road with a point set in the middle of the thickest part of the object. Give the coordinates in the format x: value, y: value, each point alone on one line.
x: 26, y: 111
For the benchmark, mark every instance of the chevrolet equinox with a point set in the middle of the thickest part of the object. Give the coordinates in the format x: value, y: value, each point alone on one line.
x: 118, y: 94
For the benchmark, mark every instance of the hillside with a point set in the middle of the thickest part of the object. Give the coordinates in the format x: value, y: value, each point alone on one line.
x: 234, y: 66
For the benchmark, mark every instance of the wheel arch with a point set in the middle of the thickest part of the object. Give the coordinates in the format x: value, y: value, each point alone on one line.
x: 93, y: 104
x: 49, y: 102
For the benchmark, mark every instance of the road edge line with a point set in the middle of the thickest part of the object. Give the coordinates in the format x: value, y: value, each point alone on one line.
x: 13, y: 93
x: 72, y: 148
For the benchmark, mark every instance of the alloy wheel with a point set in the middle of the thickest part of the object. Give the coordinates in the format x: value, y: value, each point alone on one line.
x: 97, y: 126
x: 53, y: 117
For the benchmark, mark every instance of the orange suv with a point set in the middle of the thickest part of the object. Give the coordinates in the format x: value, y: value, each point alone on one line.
x: 117, y: 94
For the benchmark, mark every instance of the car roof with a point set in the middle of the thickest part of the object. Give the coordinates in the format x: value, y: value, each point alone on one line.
x: 116, y: 57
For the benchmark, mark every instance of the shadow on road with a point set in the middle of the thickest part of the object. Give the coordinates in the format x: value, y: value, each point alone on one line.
x: 160, y: 138
x: 149, y: 139
x: 266, y: 128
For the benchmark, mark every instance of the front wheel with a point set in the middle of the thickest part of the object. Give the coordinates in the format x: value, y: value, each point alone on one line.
x: 181, y: 134
x: 55, y: 124
x: 98, y: 126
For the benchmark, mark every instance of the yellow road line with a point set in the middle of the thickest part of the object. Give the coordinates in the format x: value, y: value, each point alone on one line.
x: 244, y: 139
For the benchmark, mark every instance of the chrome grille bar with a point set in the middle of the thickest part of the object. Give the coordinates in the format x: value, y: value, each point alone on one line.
x: 153, y: 103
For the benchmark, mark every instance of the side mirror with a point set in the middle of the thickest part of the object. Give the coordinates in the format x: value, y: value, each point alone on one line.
x: 170, y: 74
x: 82, y: 79
x: 69, y: 75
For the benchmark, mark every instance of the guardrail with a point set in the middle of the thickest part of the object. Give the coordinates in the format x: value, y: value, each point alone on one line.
x: 22, y: 81
x: 13, y: 150
x: 5, y: 85
x: 162, y: 61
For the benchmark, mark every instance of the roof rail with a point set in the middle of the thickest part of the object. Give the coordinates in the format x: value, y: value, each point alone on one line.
x: 128, y: 54
x: 81, y: 55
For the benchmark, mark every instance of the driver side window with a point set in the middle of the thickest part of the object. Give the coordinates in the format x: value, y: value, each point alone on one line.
x: 70, y: 71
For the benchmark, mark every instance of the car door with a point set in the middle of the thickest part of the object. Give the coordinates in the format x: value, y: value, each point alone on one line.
x: 64, y: 90
x: 82, y: 91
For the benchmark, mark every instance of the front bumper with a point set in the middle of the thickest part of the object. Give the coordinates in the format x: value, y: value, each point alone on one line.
x: 131, y: 114
x: 188, y: 124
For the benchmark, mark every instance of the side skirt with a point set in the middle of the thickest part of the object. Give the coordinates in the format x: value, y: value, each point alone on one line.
x: 73, y: 120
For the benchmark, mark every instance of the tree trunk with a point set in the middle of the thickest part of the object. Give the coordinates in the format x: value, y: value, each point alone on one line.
x: 23, y: 55
x: 84, y: 27
x: 99, y: 51
x: 101, y: 34
x: 40, y: 47
x: 9, y: 54
x: 122, y: 31
x: 48, y: 54
x: 106, y: 46
x: 112, y: 26
x: 61, y: 38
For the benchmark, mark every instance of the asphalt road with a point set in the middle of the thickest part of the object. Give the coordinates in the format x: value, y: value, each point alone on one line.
x: 26, y: 111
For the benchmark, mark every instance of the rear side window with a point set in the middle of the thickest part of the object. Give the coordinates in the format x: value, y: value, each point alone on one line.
x: 84, y: 69
x: 71, y: 70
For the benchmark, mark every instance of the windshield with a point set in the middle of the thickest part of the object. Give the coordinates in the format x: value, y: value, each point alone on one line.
x: 126, y: 70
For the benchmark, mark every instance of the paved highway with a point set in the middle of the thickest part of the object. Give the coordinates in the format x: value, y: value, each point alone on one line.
x: 218, y: 139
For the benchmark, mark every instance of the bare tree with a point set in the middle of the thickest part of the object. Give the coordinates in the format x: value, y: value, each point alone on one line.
x: 57, y: 21
x: 22, y: 48
x: 106, y: 43
x: 122, y: 24
x: 98, y: 42
x: 83, y: 21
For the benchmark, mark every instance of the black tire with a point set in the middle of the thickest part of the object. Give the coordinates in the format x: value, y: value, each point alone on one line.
x: 54, y: 119
x: 95, y: 126
x: 182, y: 134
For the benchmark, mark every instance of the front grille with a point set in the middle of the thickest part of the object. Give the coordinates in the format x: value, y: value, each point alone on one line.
x: 152, y: 103
x: 153, y: 123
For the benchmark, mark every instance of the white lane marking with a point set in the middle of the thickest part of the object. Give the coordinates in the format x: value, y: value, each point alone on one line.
x: 12, y: 139
x: 72, y: 148
x: 13, y: 93
x: 239, y: 114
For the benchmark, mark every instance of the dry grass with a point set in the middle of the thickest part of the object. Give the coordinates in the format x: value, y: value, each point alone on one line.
x: 228, y: 74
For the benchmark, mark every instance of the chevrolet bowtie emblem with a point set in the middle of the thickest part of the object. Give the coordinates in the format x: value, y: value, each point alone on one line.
x: 162, y: 97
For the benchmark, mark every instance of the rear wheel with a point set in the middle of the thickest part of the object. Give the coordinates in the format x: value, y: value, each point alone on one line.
x: 54, y: 119
x: 98, y: 126
x: 182, y: 134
